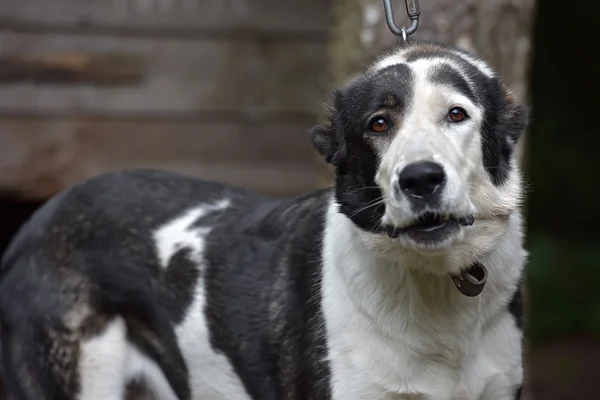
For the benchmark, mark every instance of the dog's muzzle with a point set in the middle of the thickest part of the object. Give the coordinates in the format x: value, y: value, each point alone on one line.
x: 418, y: 191
x: 428, y: 222
x: 422, y: 183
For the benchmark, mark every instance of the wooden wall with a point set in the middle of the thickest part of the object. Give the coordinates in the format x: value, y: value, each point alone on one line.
x: 224, y: 89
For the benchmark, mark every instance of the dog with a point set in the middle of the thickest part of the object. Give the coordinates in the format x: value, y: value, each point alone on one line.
x: 402, y: 281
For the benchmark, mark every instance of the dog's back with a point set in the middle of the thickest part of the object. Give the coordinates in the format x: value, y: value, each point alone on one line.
x: 163, y: 278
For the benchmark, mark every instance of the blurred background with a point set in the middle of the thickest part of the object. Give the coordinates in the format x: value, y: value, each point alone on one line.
x: 226, y: 90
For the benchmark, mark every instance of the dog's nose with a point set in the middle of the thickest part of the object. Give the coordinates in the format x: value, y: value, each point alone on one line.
x: 421, y: 179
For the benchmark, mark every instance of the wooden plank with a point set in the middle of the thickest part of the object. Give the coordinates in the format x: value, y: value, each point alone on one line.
x: 273, y: 16
x: 181, y: 76
x: 40, y: 157
x: 98, y: 69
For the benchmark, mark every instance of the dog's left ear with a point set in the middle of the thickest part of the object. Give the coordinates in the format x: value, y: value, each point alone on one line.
x: 513, y: 120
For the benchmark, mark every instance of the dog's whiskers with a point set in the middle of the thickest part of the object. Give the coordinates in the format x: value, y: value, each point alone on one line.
x: 373, y: 203
x: 366, y: 188
x: 379, y: 222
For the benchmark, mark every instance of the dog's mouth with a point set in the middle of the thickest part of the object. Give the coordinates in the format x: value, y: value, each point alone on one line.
x: 431, y: 225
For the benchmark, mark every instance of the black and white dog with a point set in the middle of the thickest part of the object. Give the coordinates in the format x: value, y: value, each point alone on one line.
x: 375, y: 289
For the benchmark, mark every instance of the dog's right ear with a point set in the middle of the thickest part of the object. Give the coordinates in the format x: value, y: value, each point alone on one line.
x: 325, y: 138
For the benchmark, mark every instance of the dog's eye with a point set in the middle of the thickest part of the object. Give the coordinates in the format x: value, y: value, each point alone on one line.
x: 378, y: 125
x: 457, y: 114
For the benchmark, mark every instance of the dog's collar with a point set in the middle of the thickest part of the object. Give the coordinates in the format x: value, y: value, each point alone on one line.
x: 471, y: 281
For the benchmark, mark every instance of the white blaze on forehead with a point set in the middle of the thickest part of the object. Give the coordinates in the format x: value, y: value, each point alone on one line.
x: 179, y: 233
x: 479, y: 64
x: 400, y: 58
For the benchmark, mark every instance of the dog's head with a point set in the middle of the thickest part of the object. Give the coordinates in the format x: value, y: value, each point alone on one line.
x: 423, y: 147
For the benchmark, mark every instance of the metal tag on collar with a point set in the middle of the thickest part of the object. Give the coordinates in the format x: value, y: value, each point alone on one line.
x: 472, y: 280
x: 412, y: 9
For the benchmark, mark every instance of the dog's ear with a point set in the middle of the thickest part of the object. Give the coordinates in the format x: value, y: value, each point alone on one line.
x: 513, y: 120
x: 326, y: 140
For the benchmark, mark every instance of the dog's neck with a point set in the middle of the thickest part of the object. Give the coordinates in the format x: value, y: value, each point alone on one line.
x: 414, y: 286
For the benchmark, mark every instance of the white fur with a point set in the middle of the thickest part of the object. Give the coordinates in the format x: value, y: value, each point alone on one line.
x: 395, y: 331
x: 211, y: 375
x: 400, y: 58
x: 108, y: 362
x: 177, y: 234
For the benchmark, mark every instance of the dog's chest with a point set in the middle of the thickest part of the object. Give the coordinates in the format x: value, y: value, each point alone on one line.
x: 365, y: 365
x: 441, y: 361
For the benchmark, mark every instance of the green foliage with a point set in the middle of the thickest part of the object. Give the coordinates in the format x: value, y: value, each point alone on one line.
x: 561, y: 277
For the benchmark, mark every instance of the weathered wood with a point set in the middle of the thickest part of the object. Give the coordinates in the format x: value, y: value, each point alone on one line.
x: 130, y: 16
x: 40, y: 157
x: 346, y: 59
x: 181, y: 77
x: 98, y: 69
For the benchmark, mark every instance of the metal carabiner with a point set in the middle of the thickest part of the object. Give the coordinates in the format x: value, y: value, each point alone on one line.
x: 412, y: 9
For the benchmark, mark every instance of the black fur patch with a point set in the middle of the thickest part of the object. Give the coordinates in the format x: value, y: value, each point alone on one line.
x: 342, y: 142
x: 267, y: 319
x: 445, y: 74
x: 518, y: 393
x: 515, y: 307
x: 91, y: 248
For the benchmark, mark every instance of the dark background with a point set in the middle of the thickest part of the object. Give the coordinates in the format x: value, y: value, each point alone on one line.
x: 563, y: 167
